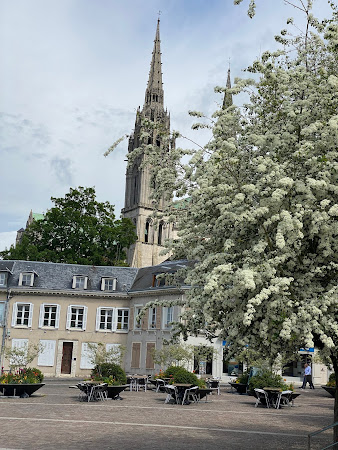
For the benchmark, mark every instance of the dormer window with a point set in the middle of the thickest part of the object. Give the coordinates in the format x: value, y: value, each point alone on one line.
x: 108, y: 284
x: 79, y: 282
x: 3, y: 279
x: 26, y: 279
x: 159, y: 280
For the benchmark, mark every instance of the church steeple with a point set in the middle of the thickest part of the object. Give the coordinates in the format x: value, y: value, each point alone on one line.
x: 227, y: 101
x: 154, y: 91
x: 138, y: 205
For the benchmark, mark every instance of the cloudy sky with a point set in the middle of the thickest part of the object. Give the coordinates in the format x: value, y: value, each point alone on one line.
x: 73, y: 73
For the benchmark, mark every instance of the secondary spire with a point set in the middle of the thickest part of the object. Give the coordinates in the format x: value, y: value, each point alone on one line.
x: 227, y: 101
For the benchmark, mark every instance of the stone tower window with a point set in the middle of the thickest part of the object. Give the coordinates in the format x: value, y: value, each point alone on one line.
x: 160, y: 234
x: 147, y: 232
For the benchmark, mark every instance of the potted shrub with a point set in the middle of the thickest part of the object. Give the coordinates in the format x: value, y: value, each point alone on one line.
x: 23, y: 382
x: 241, y: 383
x: 113, y: 375
x: 330, y: 386
x: 267, y: 378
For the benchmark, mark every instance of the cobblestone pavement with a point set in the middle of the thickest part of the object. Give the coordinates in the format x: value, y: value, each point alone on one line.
x: 54, y: 418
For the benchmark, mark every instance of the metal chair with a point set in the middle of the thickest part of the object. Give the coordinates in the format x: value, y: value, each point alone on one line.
x: 141, y: 383
x: 190, y: 393
x: 160, y: 384
x: 98, y: 392
x: 260, y: 395
x: 214, y: 385
x: 284, y: 398
x: 171, y: 393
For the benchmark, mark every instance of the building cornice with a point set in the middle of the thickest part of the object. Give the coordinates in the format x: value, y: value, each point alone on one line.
x: 73, y: 293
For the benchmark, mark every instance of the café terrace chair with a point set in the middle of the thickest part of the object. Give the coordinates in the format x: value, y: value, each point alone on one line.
x: 98, y: 392
x: 141, y: 383
x: 190, y: 393
x: 260, y: 395
x: 160, y: 383
x: 214, y: 385
x: 284, y: 398
x: 83, y: 394
x: 171, y: 392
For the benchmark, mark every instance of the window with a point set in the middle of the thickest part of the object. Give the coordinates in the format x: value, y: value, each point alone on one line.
x: 122, y: 319
x: 159, y: 280
x: 168, y: 316
x: 76, y: 317
x: 108, y: 284
x: 146, y: 233
x: 105, y: 319
x: 2, y: 314
x: 22, y: 314
x: 49, y: 315
x: 3, y: 279
x: 159, y: 235
x: 152, y: 317
x: 79, y: 282
x: 112, y: 319
x: 26, y: 279
x: 137, y: 325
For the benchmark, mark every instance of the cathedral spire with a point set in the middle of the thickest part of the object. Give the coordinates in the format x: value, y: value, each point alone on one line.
x: 227, y: 101
x: 154, y: 91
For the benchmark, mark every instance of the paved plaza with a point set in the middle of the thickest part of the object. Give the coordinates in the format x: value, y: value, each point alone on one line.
x: 54, y: 418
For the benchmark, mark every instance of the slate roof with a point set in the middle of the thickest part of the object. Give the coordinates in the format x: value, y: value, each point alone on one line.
x: 144, y: 278
x: 59, y: 276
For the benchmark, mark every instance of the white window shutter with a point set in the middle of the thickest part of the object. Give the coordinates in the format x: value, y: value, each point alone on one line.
x: 14, y: 314
x: 69, y: 311
x: 84, y: 324
x: 114, y: 319
x: 57, y: 319
x: 20, y: 279
x: 98, y: 316
x: 103, y: 280
x: 85, y: 282
x: 41, y: 315
x: 74, y: 282
x: 47, y: 355
x: 30, y: 317
x: 117, y: 351
x: 114, y: 284
x: 32, y: 279
x: 85, y: 362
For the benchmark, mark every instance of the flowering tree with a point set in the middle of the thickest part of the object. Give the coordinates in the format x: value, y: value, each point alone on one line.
x: 261, y: 220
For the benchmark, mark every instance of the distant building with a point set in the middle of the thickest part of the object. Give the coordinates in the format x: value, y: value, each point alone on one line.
x: 32, y: 216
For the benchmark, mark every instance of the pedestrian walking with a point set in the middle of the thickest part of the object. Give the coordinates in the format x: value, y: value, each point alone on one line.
x: 307, y: 377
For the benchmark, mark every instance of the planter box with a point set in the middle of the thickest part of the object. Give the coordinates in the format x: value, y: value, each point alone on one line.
x: 114, y: 391
x: 330, y: 389
x: 19, y: 389
x: 240, y: 387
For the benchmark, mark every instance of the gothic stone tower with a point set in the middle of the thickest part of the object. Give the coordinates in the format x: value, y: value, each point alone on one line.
x: 138, y: 205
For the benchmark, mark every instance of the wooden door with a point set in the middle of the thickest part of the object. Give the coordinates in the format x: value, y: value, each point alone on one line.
x: 67, y: 356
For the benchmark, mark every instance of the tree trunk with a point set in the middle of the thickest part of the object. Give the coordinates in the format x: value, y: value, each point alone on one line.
x: 335, y: 417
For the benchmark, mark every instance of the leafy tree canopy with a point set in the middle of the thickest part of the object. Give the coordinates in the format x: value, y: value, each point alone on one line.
x: 261, y: 222
x: 77, y: 230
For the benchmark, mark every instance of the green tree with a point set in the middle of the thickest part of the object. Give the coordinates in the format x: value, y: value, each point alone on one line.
x: 261, y: 222
x: 77, y: 230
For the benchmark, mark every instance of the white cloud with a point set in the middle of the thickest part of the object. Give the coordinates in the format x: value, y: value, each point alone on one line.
x: 7, y: 239
x: 73, y: 73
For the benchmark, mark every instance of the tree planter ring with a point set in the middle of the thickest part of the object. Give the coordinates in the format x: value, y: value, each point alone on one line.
x: 114, y: 391
x: 17, y: 390
x: 240, y: 387
x: 330, y: 389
